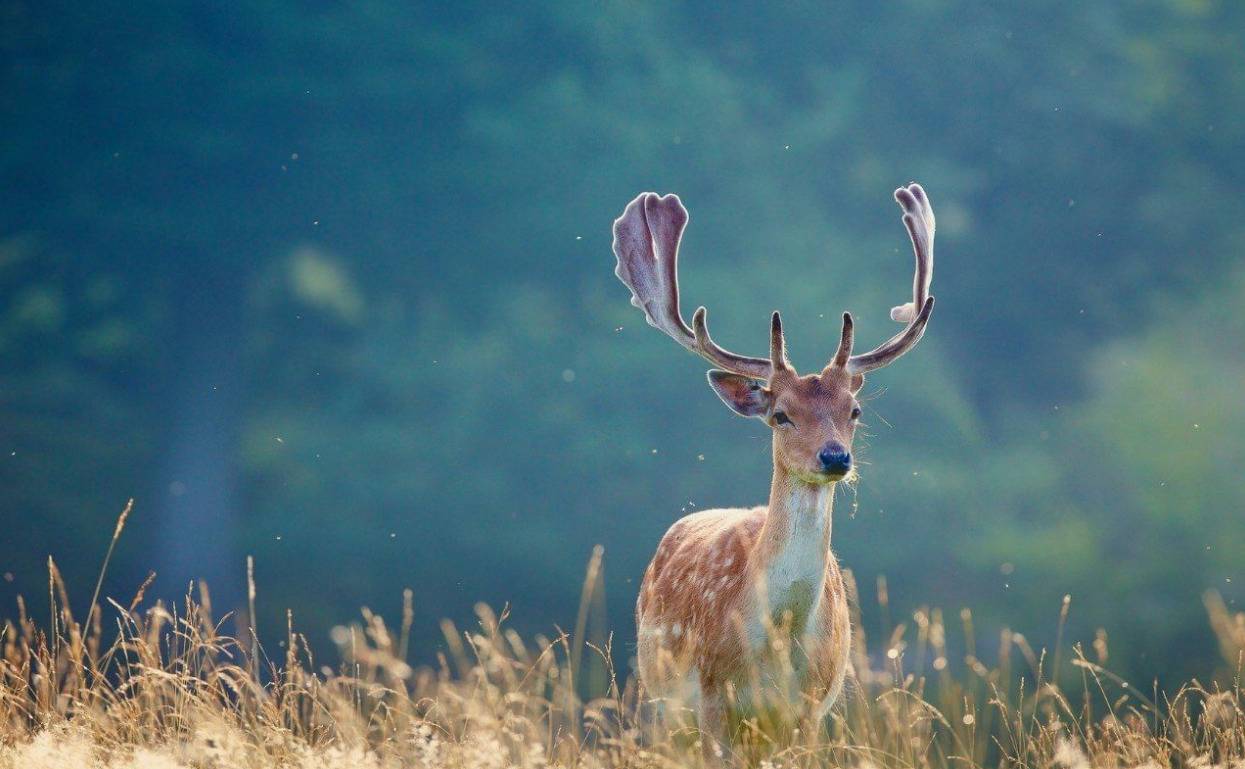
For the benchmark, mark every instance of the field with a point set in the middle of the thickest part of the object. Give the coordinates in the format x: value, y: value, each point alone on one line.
x: 173, y: 691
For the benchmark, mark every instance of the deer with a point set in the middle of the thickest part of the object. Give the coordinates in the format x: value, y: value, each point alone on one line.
x: 728, y: 589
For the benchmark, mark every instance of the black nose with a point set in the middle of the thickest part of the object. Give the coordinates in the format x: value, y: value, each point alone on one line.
x: 834, y: 458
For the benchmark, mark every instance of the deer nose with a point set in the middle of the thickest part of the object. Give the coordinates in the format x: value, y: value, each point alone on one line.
x: 834, y: 458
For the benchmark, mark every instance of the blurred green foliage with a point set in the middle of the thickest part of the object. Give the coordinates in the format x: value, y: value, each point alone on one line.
x: 330, y: 284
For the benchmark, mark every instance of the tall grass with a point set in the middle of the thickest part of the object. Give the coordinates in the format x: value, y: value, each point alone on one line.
x: 173, y: 691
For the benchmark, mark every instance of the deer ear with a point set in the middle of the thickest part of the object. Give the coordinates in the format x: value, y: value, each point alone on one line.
x: 858, y: 381
x: 746, y: 397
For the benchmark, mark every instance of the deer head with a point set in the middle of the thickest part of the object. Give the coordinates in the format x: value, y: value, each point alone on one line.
x: 813, y: 416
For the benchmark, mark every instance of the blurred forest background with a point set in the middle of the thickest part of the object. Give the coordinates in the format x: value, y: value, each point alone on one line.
x: 330, y: 284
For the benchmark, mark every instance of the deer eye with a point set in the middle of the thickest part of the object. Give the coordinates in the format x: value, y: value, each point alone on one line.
x: 781, y: 418
x: 856, y: 413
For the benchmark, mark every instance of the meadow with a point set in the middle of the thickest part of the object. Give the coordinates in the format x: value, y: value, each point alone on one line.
x: 173, y: 689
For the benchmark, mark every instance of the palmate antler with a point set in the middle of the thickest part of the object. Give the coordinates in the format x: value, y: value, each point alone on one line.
x: 918, y: 217
x: 646, y: 242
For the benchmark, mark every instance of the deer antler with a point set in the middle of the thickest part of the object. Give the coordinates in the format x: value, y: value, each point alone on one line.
x: 919, y: 219
x: 646, y: 242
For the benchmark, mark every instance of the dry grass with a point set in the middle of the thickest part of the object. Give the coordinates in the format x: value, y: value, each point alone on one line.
x: 172, y: 691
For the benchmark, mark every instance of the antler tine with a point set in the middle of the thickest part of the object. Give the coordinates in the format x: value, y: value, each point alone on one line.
x: 646, y: 242
x: 844, y: 352
x: 777, y: 344
x: 918, y: 218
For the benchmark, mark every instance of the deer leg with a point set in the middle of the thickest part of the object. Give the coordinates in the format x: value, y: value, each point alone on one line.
x: 712, y: 722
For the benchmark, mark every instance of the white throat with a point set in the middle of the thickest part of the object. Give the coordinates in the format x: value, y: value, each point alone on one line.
x: 808, y: 511
x: 799, y: 533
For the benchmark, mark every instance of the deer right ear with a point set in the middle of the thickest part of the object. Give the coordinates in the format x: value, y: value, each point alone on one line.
x: 746, y: 397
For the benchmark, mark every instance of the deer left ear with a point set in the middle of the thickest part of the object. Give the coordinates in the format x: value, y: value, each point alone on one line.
x: 858, y: 381
x: 746, y: 397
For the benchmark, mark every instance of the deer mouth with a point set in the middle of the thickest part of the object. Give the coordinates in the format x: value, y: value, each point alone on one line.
x: 823, y: 477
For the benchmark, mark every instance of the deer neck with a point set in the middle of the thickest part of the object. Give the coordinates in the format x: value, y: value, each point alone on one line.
x: 794, y: 544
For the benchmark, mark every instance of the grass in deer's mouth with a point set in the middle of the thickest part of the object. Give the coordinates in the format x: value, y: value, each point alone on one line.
x: 172, y: 691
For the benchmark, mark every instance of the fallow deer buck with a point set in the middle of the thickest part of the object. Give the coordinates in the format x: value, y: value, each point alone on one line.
x: 728, y: 588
